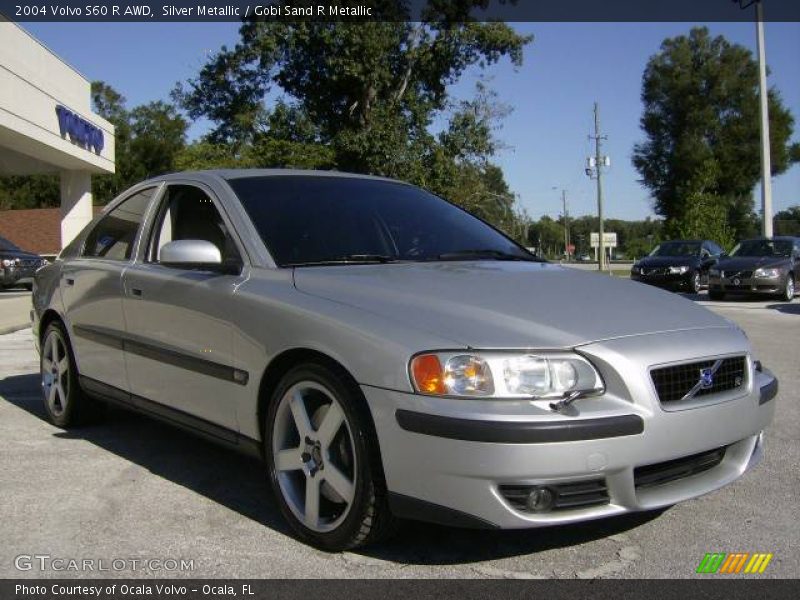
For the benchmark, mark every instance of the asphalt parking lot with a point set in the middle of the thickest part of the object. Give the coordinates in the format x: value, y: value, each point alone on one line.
x: 133, y: 488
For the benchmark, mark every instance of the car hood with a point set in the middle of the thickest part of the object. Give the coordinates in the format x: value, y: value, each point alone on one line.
x: 10, y: 254
x: 740, y: 263
x: 494, y: 304
x: 668, y: 261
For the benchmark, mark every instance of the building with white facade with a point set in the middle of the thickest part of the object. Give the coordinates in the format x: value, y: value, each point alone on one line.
x: 47, y: 125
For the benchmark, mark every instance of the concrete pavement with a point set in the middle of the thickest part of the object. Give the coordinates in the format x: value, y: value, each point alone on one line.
x: 15, y: 306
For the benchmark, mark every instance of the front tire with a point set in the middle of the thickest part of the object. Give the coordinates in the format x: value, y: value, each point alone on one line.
x: 64, y: 401
x: 788, y: 289
x: 694, y: 283
x: 323, y: 460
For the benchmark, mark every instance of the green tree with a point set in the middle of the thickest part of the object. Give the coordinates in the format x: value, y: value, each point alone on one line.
x: 362, y: 97
x: 701, y: 121
x: 787, y: 222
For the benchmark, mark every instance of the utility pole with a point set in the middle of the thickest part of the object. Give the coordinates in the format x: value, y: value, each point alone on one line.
x: 763, y: 97
x: 566, y: 223
x: 595, y: 171
x: 766, y: 167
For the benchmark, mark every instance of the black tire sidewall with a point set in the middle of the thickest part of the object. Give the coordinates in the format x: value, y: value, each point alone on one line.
x: 352, y: 404
x: 70, y: 415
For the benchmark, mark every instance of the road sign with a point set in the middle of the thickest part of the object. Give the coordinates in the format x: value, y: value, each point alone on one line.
x: 571, y: 249
x: 609, y: 239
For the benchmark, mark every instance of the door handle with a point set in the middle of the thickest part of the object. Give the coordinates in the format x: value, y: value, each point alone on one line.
x: 136, y: 292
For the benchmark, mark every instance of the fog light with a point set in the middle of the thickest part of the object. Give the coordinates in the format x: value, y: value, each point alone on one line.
x: 540, y: 499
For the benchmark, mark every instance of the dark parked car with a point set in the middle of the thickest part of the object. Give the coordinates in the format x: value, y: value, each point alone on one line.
x: 761, y: 266
x: 681, y: 264
x: 17, y: 266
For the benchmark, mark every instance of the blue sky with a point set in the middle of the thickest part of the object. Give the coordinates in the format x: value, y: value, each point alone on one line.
x: 566, y: 69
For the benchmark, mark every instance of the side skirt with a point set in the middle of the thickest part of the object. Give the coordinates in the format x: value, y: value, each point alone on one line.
x: 200, y: 427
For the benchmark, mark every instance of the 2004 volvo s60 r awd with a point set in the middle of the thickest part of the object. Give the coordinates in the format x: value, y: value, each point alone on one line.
x: 390, y: 355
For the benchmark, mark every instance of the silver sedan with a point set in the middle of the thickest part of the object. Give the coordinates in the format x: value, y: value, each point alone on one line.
x: 389, y: 355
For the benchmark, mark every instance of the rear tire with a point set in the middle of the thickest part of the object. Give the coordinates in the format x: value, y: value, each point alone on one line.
x: 325, y: 473
x: 64, y: 401
x: 714, y: 295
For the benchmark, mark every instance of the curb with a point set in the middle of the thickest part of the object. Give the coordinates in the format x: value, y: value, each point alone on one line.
x: 12, y: 328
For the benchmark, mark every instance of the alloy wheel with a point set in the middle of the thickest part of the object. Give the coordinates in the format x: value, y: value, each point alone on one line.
x: 314, y: 456
x: 55, y: 373
x: 789, y: 288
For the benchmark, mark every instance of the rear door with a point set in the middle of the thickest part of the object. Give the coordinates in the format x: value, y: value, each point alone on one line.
x: 91, y: 287
x: 180, y: 348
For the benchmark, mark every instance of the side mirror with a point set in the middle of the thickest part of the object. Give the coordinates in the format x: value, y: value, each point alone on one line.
x: 191, y: 254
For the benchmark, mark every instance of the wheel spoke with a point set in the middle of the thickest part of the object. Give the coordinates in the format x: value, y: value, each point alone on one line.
x: 330, y: 424
x: 54, y: 350
x: 289, y: 460
x: 63, y: 365
x: 51, y: 395
x: 339, y: 482
x: 62, y: 397
x: 312, y: 502
x: 301, y: 420
x: 47, y: 365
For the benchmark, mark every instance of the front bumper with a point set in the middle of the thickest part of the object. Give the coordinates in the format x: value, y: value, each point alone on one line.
x: 747, y: 285
x: 448, y: 460
x: 665, y: 280
x: 11, y: 276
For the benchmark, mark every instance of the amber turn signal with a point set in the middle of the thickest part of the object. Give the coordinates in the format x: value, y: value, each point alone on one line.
x: 428, y: 375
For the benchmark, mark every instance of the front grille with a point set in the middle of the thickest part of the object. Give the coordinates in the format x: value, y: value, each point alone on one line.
x: 672, y: 470
x: 579, y: 494
x: 673, y: 383
x: 28, y: 262
x: 739, y: 274
x: 655, y: 271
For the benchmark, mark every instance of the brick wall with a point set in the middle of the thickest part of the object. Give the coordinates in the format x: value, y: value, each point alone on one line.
x: 35, y: 230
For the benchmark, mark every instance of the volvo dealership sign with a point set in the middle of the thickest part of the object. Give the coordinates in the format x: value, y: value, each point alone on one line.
x: 80, y: 131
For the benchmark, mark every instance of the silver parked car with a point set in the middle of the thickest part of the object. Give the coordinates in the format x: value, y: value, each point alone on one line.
x: 390, y: 355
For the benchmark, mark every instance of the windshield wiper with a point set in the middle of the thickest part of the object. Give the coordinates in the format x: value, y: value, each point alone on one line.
x: 485, y: 253
x: 348, y: 259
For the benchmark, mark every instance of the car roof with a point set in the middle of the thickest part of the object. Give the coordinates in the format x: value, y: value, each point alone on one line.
x: 777, y: 238
x: 231, y: 174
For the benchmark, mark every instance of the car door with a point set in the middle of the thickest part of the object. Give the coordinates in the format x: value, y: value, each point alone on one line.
x: 91, y: 289
x: 179, y: 352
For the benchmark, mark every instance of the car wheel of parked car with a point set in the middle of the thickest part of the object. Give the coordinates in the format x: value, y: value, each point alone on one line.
x: 64, y: 401
x: 694, y: 285
x: 712, y: 295
x: 323, y: 460
x: 788, y: 289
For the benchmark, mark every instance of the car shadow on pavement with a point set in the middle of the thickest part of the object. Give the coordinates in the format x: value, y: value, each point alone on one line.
x: 239, y: 483
x: 236, y: 481
x: 792, y: 308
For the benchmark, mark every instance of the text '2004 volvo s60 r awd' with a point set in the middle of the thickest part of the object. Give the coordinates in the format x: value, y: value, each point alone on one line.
x: 390, y: 355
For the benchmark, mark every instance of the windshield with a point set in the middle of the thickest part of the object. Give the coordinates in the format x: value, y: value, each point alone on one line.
x: 6, y: 245
x: 307, y: 220
x: 677, y: 249
x: 763, y: 248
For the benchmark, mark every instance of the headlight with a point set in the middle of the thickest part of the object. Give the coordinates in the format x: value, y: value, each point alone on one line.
x: 678, y: 270
x: 7, y: 262
x: 767, y: 273
x: 504, y: 375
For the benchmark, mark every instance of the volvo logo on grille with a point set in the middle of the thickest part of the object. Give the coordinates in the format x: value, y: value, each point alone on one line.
x: 706, y: 378
x: 705, y: 381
